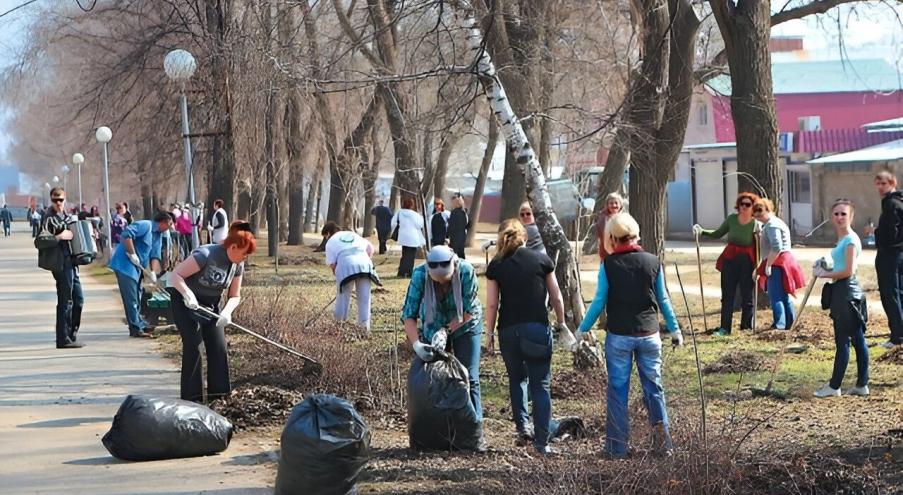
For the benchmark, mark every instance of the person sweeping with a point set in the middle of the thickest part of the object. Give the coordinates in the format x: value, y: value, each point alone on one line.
x: 349, y: 255
x: 200, y: 281
x: 779, y: 273
x: 736, y: 262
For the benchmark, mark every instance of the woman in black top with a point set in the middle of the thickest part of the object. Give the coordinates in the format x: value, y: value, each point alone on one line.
x: 438, y: 224
x: 522, y: 279
x: 458, y: 224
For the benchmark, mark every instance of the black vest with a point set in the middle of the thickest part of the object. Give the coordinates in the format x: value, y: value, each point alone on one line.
x: 632, y: 308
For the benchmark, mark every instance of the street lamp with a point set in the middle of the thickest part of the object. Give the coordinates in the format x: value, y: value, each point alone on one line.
x: 78, y: 159
x: 47, y: 186
x: 65, y: 170
x: 180, y: 66
x: 104, y: 135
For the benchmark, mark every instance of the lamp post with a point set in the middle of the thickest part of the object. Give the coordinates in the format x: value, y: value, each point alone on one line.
x: 77, y: 160
x: 48, y: 187
x: 104, y: 135
x: 180, y: 66
x: 65, y: 170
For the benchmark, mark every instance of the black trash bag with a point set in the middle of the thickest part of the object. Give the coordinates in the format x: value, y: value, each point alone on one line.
x: 151, y: 428
x: 440, y: 414
x: 325, y: 446
x: 566, y: 428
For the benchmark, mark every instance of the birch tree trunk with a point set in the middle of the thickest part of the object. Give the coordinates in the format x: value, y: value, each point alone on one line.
x: 476, y: 203
x: 519, y: 146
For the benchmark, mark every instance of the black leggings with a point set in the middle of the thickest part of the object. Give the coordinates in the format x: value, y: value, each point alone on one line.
x: 734, y: 272
x: 214, y: 339
x: 406, y: 264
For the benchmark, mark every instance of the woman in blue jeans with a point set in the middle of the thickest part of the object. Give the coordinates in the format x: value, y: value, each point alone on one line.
x: 632, y: 285
x: 522, y: 279
x: 848, y: 307
x: 779, y: 274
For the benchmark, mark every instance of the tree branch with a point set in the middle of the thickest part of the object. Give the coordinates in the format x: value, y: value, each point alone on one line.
x: 811, y: 8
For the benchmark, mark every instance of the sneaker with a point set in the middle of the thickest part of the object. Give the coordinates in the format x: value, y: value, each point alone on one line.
x: 720, y: 332
x: 524, y: 436
x: 70, y: 345
x: 862, y: 391
x: 827, y: 391
x: 888, y: 345
x: 546, y: 451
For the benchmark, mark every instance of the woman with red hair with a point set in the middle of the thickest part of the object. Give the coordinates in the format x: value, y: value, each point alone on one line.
x: 736, y: 262
x: 200, y: 281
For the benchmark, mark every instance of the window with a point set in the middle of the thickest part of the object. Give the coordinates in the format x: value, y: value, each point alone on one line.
x: 800, y: 189
x: 703, y: 111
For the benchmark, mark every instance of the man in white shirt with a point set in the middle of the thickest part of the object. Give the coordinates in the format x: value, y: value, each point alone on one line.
x: 219, y: 223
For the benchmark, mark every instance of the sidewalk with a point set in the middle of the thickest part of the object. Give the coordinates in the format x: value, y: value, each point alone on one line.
x: 55, y: 405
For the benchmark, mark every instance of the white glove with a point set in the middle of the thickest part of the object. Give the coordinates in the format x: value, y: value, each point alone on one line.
x: 135, y: 260
x: 440, y: 339
x: 423, y: 351
x: 697, y: 230
x: 487, y: 245
x: 566, y: 338
x: 677, y: 339
x: 767, y: 270
x: 224, y: 320
x: 151, y: 277
x: 820, y: 271
x: 190, y: 301
x: 821, y: 262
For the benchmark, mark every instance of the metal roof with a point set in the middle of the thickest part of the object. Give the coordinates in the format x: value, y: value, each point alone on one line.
x: 881, y: 153
x: 842, y: 140
x: 828, y: 76
x: 885, y: 125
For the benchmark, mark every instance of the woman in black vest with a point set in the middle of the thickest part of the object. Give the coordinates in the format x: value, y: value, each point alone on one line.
x: 458, y: 225
x: 632, y: 284
x: 522, y: 278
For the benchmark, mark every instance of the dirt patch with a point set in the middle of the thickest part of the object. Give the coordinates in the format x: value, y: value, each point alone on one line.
x: 736, y: 362
x: 574, y: 384
x: 893, y: 356
x: 250, y: 406
x: 302, y: 259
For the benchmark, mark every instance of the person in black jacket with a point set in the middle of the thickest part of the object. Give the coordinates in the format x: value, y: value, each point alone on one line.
x: 458, y: 225
x: 69, y: 296
x: 889, y: 259
x: 383, y: 224
x: 438, y: 223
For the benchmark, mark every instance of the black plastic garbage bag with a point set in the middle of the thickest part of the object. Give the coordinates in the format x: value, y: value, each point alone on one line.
x: 151, y: 428
x: 325, y: 446
x: 440, y: 414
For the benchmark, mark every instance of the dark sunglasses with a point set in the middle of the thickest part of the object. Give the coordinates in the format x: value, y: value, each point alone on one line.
x: 840, y: 213
x: 58, y: 200
x: 759, y: 210
x: 526, y: 214
x: 744, y: 204
x: 242, y: 226
x: 439, y: 264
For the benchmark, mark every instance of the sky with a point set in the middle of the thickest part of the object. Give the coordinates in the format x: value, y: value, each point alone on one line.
x: 876, y: 32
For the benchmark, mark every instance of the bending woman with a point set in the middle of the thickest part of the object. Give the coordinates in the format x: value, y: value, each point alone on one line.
x: 849, y: 311
x: 200, y: 281
x: 522, y: 278
x: 778, y: 272
x: 632, y: 285
x: 736, y: 262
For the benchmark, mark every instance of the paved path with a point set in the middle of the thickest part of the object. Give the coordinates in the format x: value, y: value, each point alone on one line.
x: 55, y: 405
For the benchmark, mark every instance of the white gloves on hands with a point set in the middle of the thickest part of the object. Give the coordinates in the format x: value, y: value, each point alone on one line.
x: 487, y: 245
x: 677, y: 339
x: 135, y: 260
x: 423, y: 351
x: 820, y: 271
x: 697, y: 230
x: 224, y: 320
x: 767, y: 270
x: 151, y: 277
x: 440, y: 339
x: 190, y: 301
x: 566, y: 338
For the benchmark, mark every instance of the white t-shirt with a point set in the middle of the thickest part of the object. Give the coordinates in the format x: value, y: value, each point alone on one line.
x: 219, y: 230
x: 342, y: 240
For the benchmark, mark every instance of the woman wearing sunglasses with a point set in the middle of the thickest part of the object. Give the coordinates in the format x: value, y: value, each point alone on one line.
x: 534, y: 239
x: 443, y: 295
x: 779, y: 273
x: 848, y: 308
x: 736, y: 262
x: 199, y: 281
x: 614, y: 203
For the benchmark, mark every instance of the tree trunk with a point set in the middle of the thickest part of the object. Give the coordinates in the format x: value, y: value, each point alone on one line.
x: 312, y: 198
x: 294, y: 148
x: 514, y: 186
x: 370, y: 177
x: 244, y: 204
x: 476, y: 203
x: 611, y: 180
x: 552, y: 233
x: 446, y: 147
x: 222, y: 183
x: 746, y: 30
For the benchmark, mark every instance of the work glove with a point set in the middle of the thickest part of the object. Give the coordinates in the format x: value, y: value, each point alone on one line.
x: 440, y: 339
x: 423, y: 351
x: 767, y: 270
x: 697, y: 230
x: 821, y: 262
x: 190, y: 301
x: 677, y: 339
x: 135, y: 260
x: 151, y: 278
x: 224, y: 320
x: 820, y: 271
x: 566, y: 338
x: 487, y: 245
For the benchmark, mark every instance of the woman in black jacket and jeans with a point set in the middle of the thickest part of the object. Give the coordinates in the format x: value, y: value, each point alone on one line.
x: 522, y: 279
x: 889, y: 259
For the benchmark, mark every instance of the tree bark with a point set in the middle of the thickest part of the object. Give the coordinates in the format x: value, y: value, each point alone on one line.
x: 476, y: 203
x: 611, y: 180
x: 370, y: 177
x: 222, y: 183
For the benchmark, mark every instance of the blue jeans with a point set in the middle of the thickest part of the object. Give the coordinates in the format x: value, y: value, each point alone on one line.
x: 524, y: 370
x: 849, y: 329
x: 69, y: 302
x: 466, y: 349
x: 130, y: 290
x: 619, y: 354
x: 781, y: 308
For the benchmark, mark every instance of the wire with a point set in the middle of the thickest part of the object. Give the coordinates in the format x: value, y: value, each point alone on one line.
x: 26, y: 4
x: 86, y: 9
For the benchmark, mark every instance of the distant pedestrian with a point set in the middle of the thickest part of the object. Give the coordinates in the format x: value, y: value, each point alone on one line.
x: 614, y: 204
x: 458, y: 225
x: 383, y: 224
x: 410, y: 227
x: 140, y: 249
x: 848, y: 307
x: 439, y: 223
x: 184, y: 228
x: 534, y: 239
x: 118, y: 223
x: 779, y: 274
x: 34, y: 220
x: 128, y: 213
x: 70, y: 299
x: 219, y: 223
x: 349, y: 256
x: 889, y: 259
x: 7, y: 218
